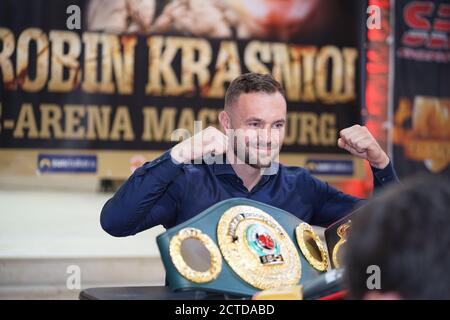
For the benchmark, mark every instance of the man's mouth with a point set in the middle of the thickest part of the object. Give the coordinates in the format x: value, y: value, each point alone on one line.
x: 262, y: 147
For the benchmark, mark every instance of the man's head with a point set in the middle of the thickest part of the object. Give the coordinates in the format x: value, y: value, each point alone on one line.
x: 406, y: 233
x: 255, y: 109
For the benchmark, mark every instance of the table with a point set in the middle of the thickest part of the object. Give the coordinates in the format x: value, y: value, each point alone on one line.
x: 150, y: 293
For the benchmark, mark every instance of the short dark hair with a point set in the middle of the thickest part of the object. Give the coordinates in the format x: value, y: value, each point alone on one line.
x: 405, y: 231
x: 251, y: 82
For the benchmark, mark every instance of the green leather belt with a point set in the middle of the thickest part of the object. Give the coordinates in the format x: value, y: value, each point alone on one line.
x: 240, y: 246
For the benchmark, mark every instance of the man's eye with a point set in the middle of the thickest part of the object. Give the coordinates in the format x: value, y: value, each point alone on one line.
x: 253, y: 124
x: 279, y: 125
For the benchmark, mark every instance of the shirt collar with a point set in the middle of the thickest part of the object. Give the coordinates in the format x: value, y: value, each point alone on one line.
x: 226, y: 168
x: 223, y: 168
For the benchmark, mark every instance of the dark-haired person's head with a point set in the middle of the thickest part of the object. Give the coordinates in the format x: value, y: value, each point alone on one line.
x: 255, y: 109
x: 404, y: 234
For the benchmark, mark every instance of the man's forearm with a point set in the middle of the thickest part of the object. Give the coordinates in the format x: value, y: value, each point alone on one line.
x: 385, y: 176
x: 126, y: 211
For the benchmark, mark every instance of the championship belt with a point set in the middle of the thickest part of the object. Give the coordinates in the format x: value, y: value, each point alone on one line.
x: 336, y: 237
x: 240, y: 246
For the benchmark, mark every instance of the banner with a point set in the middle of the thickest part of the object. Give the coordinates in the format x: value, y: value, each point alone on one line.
x: 111, y: 80
x: 421, y: 134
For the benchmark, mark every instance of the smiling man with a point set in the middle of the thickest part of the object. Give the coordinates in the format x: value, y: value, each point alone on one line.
x: 174, y: 188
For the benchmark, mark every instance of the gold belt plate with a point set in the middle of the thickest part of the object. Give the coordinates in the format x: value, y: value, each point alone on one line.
x: 257, y: 248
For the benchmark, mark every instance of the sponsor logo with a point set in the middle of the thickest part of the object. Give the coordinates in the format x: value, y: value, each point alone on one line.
x: 329, y: 167
x: 61, y: 163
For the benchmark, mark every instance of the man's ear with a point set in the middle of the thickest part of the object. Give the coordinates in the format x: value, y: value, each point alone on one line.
x: 224, y: 120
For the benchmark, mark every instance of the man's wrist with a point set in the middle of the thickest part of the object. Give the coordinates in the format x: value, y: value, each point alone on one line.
x: 175, y: 155
x: 382, y: 163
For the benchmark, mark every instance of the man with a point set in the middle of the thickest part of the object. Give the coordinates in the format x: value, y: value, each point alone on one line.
x: 404, y: 237
x: 170, y: 189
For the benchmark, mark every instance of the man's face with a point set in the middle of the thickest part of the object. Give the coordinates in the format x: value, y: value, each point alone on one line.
x: 258, y: 120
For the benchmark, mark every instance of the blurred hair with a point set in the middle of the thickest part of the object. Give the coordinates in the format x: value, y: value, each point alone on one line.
x: 406, y: 232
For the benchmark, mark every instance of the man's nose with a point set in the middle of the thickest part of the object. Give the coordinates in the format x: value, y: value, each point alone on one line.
x: 267, y: 136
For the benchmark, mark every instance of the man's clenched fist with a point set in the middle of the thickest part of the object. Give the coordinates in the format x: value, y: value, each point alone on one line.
x: 203, y: 143
x: 359, y: 141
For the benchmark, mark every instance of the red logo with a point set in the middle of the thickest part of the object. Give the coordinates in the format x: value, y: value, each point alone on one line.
x: 429, y: 25
x: 265, y: 241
